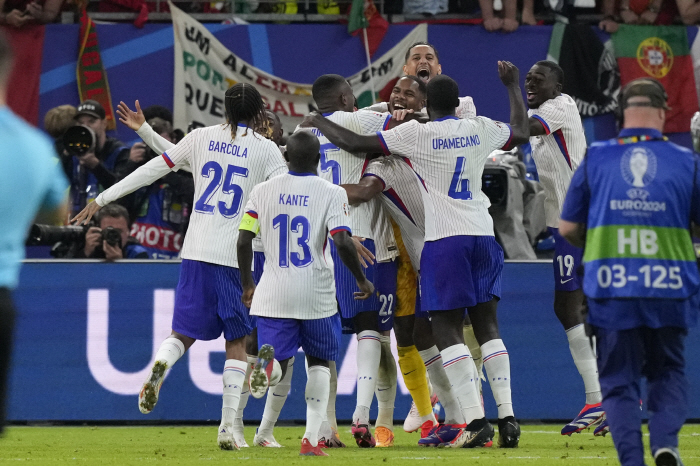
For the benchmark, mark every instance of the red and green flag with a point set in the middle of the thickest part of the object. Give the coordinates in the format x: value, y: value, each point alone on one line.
x: 90, y: 72
x: 660, y: 52
x: 364, y: 15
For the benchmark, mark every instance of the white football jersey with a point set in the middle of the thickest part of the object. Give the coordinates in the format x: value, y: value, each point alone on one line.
x: 403, y: 196
x: 340, y: 167
x: 296, y: 212
x: 224, y: 171
x: 559, y: 152
x: 449, y: 154
x: 466, y: 108
x: 384, y: 241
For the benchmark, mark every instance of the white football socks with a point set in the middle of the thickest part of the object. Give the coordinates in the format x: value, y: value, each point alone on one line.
x: 584, y: 358
x: 369, y: 351
x: 170, y: 351
x: 243, y: 401
x: 497, y: 364
x: 276, y: 398
x: 330, y: 422
x: 317, y: 388
x: 234, y: 378
x: 386, y: 385
x: 461, y: 372
x: 441, y: 385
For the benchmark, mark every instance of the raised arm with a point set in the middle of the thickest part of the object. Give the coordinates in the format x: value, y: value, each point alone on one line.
x: 142, y: 176
x: 364, y: 191
x: 510, y: 77
x: 342, y: 137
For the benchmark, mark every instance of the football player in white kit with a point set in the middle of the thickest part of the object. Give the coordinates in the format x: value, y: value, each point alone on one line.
x: 558, y: 147
x: 227, y: 161
x: 295, y: 299
x: 461, y: 263
x: 334, y: 98
x: 276, y: 398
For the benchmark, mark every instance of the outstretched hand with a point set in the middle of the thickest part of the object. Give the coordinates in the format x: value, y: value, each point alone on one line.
x: 132, y: 119
x: 86, y: 214
x: 509, y: 73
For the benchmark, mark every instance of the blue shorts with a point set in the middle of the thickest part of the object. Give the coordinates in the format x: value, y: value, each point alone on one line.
x: 459, y: 272
x: 319, y: 338
x: 345, y: 286
x: 208, y: 302
x: 567, y: 263
x: 386, y: 287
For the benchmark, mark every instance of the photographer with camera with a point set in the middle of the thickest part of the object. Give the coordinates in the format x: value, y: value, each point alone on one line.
x: 109, y: 239
x: 93, y: 160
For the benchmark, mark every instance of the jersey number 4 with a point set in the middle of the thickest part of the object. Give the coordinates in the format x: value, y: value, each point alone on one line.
x: 459, y: 188
x: 299, y: 225
x: 214, y: 171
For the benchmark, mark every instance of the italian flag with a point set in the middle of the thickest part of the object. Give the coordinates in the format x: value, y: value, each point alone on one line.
x: 660, y: 52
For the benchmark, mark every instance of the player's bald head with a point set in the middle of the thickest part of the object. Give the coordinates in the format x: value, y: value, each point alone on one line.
x: 443, y: 94
x: 303, y: 151
x: 332, y: 91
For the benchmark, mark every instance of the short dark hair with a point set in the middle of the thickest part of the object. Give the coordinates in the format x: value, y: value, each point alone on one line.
x: 422, y: 87
x: 158, y: 111
x: 6, y: 57
x: 243, y: 102
x: 443, y: 93
x: 325, y: 86
x: 416, y: 44
x: 553, y: 68
x: 302, y: 148
x: 112, y: 210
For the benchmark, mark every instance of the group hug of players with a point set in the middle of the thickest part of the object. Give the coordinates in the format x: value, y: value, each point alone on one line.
x: 397, y: 188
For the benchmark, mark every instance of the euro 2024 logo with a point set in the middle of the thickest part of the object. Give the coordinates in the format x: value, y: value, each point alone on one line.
x: 638, y: 167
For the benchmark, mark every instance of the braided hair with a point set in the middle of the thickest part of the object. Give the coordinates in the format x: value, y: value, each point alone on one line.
x: 244, y: 104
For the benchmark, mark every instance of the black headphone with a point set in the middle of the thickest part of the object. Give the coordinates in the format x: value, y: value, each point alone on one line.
x: 620, y: 112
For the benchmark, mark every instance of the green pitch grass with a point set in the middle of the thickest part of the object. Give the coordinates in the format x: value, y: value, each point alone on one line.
x: 103, y: 446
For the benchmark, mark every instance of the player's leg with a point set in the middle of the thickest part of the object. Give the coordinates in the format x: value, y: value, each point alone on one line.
x: 429, y: 353
x: 251, y: 348
x: 329, y: 428
x: 7, y: 324
x: 447, y: 288
x: 487, y: 267
x: 385, y: 285
x: 420, y: 417
x: 568, y: 306
x: 368, y: 356
x: 667, y: 391
x: 276, y: 397
x: 194, y: 317
x: 621, y: 357
x: 233, y: 319
x: 320, y: 340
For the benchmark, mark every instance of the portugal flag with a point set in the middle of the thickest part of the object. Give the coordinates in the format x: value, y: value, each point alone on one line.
x: 660, y: 52
x: 364, y: 15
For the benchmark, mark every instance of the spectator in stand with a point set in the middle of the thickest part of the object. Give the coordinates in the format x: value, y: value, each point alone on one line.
x: 506, y: 19
x: 110, y: 239
x: 689, y: 11
x: 57, y: 121
x: 17, y: 13
x: 430, y: 7
x: 96, y: 170
x: 656, y: 12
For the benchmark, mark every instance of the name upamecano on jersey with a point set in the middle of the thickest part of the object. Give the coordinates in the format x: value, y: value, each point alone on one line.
x: 456, y: 143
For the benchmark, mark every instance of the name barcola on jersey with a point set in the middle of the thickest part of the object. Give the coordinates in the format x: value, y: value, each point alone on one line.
x: 638, y: 168
x: 228, y: 148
